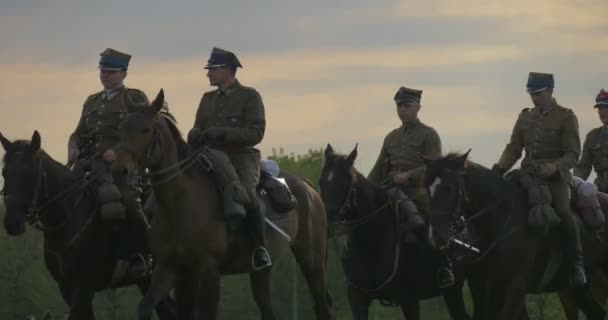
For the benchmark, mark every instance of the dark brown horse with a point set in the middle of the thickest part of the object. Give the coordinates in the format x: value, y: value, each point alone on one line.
x: 189, y: 237
x: 377, y: 262
x: 513, y: 260
x: 79, y: 250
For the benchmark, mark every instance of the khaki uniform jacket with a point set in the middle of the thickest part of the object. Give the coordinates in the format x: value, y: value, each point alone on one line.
x: 401, y: 148
x: 595, y: 155
x: 98, y: 127
x: 238, y: 112
x: 547, y: 135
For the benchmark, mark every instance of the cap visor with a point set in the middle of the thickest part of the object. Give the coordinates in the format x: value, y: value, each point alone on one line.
x: 211, y: 66
x: 533, y: 90
x: 109, y: 68
x: 601, y: 104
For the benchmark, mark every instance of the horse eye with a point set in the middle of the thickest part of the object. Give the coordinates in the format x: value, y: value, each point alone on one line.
x: 146, y: 130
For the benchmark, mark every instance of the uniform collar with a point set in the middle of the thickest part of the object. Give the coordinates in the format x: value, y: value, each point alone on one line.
x: 546, y: 109
x: 411, y: 124
x: 228, y: 91
x: 108, y: 94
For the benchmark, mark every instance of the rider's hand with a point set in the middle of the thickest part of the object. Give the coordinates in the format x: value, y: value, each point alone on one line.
x: 195, y: 137
x: 548, y: 169
x: 109, y: 155
x: 216, y: 133
x: 402, y: 177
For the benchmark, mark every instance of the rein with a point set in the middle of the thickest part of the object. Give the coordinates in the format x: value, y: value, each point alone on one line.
x: 350, y: 203
x: 36, y: 212
x: 175, y: 169
x: 462, y: 220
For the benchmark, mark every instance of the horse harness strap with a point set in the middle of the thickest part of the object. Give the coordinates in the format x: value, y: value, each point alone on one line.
x: 461, y: 221
x: 34, y: 212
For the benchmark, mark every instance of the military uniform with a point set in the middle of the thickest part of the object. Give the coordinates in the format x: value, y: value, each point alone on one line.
x: 402, y: 146
x: 232, y: 120
x: 96, y: 132
x: 549, y: 135
x: 595, y: 150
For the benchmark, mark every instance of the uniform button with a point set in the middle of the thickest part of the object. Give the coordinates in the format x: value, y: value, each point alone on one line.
x: 98, y: 122
x: 103, y: 105
x: 99, y: 113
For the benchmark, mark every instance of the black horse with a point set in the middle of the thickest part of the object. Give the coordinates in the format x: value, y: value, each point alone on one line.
x: 513, y: 260
x: 79, y: 250
x: 377, y: 263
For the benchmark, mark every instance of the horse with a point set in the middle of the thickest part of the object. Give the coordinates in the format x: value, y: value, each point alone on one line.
x: 79, y: 249
x: 513, y: 259
x: 376, y: 261
x: 189, y: 236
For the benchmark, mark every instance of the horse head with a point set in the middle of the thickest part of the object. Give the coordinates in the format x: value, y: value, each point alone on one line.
x: 337, y: 183
x: 140, y: 138
x: 20, y: 173
x: 445, y: 179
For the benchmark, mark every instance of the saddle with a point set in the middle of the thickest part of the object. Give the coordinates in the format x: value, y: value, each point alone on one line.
x: 274, y: 188
x: 588, y: 204
x: 585, y: 202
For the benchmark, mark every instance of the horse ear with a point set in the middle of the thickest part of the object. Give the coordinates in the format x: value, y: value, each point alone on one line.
x: 35, y: 142
x: 462, y: 160
x: 424, y: 158
x: 352, y: 156
x: 159, y: 101
x: 5, y: 142
x: 329, y: 151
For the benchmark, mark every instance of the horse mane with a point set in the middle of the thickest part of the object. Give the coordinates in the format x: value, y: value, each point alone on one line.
x: 183, y: 149
x: 492, y: 183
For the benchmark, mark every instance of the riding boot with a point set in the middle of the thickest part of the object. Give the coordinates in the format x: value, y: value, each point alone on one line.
x: 411, y: 220
x: 139, y: 265
x: 445, y: 275
x: 260, y: 258
x: 227, y: 179
x: 574, y: 253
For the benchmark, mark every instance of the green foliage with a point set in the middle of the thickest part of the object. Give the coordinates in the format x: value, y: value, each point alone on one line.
x: 27, y: 289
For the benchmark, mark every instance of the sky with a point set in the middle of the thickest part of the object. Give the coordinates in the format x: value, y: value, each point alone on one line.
x: 327, y: 70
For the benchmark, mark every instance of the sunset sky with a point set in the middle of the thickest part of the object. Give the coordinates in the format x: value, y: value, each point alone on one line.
x: 327, y: 70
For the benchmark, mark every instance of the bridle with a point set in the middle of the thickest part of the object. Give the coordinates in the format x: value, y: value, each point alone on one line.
x: 158, y: 177
x: 462, y: 219
x: 38, y: 209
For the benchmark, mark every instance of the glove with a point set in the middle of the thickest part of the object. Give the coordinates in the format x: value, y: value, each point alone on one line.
x: 196, y: 137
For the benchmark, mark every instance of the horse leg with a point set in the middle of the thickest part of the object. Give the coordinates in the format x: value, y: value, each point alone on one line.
x: 166, y: 309
x: 312, y: 263
x: 260, y: 287
x: 208, y: 293
x: 163, y: 279
x: 586, y: 302
x: 411, y: 309
x: 359, y: 303
x: 514, y: 298
x: 82, y: 305
x: 477, y: 286
x: 185, y: 295
x: 568, y: 305
x: 455, y: 302
x: 599, y: 286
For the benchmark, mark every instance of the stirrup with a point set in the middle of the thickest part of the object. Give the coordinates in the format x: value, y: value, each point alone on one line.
x: 445, y: 278
x: 263, y: 251
x: 578, y: 277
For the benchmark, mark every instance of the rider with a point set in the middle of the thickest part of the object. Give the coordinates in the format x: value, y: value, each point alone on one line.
x: 96, y: 133
x: 231, y: 119
x: 595, y: 148
x: 400, y: 161
x: 549, y: 134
